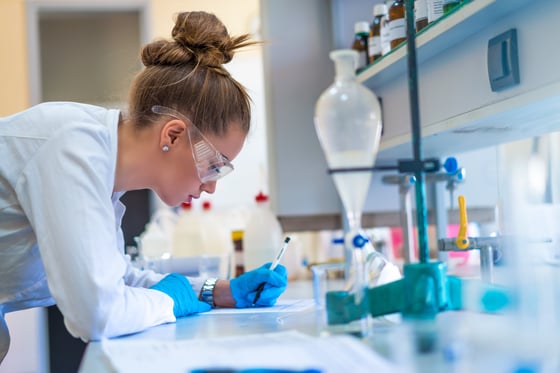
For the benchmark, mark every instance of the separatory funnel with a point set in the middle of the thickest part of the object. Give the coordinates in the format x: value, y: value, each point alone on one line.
x: 348, y: 124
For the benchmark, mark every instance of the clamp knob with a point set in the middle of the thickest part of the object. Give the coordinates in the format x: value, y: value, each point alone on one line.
x: 462, y: 240
x: 359, y: 241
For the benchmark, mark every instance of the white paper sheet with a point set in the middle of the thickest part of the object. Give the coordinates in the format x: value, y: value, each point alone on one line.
x: 281, y: 350
x: 283, y: 305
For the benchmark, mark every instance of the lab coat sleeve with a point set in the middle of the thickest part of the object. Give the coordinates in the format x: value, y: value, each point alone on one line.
x: 141, y: 278
x: 147, y: 278
x: 65, y: 191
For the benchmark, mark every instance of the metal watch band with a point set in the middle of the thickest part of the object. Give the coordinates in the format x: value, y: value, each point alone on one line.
x: 207, y: 291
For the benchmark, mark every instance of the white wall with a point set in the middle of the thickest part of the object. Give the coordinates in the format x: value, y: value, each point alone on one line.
x: 251, y: 169
x: 235, y: 193
x: 28, y: 352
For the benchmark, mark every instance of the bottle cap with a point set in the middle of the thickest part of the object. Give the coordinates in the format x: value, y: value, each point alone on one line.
x: 379, y: 9
x: 261, y: 197
x: 237, y: 235
x: 361, y: 27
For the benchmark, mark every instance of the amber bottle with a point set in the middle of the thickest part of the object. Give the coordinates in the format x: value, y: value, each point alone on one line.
x: 397, y: 23
x: 421, y: 14
x: 378, y: 27
x: 360, y: 43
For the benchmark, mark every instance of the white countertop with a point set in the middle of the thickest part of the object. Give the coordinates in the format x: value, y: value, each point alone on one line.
x: 205, y: 326
x: 466, y: 341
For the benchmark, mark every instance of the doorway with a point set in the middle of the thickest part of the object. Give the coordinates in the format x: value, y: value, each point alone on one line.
x: 88, y: 53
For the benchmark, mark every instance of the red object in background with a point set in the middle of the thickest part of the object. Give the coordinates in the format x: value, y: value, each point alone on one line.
x: 398, y: 242
x: 397, y: 238
x: 460, y: 257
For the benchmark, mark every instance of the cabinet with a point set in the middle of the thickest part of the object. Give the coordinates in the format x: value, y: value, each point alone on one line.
x: 459, y: 112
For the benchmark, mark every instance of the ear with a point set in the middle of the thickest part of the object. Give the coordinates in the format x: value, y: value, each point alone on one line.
x: 171, y: 132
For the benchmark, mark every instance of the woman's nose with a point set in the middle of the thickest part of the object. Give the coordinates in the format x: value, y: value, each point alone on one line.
x: 209, y: 187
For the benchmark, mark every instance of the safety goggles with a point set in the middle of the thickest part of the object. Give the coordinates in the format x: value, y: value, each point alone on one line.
x: 210, y: 163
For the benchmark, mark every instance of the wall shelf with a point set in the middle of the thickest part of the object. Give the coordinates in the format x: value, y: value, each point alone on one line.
x: 533, y: 113
x: 447, y: 32
x: 459, y: 112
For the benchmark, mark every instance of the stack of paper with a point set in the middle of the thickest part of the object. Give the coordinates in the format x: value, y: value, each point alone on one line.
x: 289, y: 350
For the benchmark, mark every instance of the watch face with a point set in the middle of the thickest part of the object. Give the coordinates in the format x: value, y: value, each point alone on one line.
x: 207, y: 291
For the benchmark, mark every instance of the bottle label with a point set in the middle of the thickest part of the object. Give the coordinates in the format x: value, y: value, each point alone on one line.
x: 397, y: 29
x: 385, y: 38
x: 435, y: 10
x: 374, y: 45
x: 239, y: 258
x: 420, y: 9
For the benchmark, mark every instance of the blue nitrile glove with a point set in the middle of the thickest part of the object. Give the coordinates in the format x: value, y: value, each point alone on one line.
x: 185, y: 301
x: 244, y: 287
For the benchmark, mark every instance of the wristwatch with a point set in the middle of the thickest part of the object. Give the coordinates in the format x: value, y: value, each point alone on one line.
x: 207, y: 291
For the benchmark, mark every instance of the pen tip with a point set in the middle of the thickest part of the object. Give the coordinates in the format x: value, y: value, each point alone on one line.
x: 287, y: 239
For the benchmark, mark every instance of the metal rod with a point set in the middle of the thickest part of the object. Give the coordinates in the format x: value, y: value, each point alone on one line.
x: 405, y: 182
x: 487, y: 264
x: 407, y: 223
x: 420, y: 187
x: 438, y: 200
x: 362, y: 169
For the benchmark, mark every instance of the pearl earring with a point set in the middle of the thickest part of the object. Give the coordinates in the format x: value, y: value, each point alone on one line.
x: 165, y: 148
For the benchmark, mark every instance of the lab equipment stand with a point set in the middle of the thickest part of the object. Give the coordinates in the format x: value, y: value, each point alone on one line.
x: 425, y: 289
x: 452, y: 176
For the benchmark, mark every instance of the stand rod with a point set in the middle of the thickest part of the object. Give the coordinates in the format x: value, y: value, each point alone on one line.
x: 420, y: 186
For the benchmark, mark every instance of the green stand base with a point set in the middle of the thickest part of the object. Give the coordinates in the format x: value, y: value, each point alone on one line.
x: 423, y: 292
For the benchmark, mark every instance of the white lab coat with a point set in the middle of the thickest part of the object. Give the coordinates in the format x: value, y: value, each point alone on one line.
x: 60, y: 236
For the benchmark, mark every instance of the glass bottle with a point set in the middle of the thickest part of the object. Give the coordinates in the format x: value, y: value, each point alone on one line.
x: 237, y: 239
x: 379, y: 25
x: 435, y: 10
x: 263, y: 234
x: 450, y: 5
x: 421, y: 14
x: 348, y: 124
x: 397, y: 23
x: 185, y: 234
x: 385, y: 35
x: 360, y: 44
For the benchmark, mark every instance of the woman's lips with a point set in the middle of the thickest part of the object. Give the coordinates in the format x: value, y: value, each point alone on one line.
x: 191, y: 197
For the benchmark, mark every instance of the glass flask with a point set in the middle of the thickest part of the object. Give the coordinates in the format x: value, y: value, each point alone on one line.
x: 348, y: 124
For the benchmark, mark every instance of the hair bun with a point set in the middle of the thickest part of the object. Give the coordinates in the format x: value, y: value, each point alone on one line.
x: 165, y: 53
x: 205, y: 35
x: 197, y: 37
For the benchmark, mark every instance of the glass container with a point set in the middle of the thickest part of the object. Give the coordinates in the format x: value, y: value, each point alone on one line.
x: 348, y: 124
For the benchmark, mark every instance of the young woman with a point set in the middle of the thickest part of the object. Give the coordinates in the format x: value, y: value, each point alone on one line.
x: 64, y: 166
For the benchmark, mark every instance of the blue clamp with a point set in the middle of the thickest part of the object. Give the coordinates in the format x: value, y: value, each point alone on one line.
x: 451, y: 165
x: 359, y: 241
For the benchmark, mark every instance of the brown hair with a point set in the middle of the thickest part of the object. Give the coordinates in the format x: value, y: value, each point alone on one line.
x: 185, y: 73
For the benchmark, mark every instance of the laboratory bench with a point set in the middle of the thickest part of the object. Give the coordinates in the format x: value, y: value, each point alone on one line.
x: 457, y: 341
x: 218, y: 326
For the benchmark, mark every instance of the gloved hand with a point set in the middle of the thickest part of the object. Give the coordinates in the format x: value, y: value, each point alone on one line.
x: 244, y: 287
x: 185, y: 300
